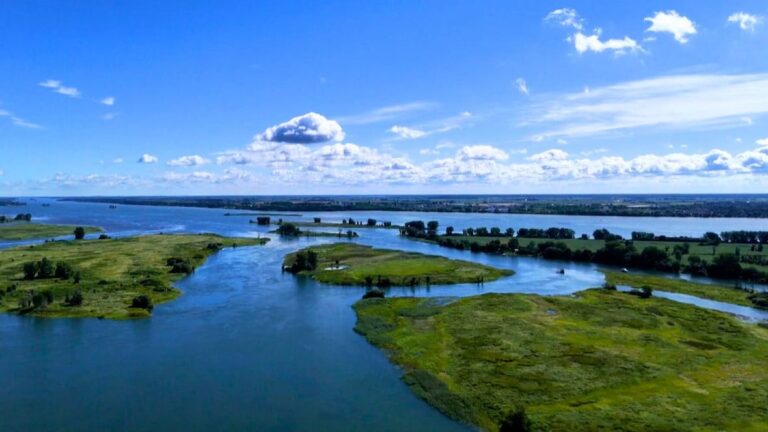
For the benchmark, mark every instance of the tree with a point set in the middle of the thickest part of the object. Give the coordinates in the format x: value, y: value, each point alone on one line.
x: 79, y: 233
x: 142, y: 302
x: 432, y: 225
x: 449, y: 231
x: 46, y: 269
x: 515, y: 421
x: 30, y: 270
x: 288, y: 229
x: 262, y: 220
x: 371, y: 222
x: 63, y: 270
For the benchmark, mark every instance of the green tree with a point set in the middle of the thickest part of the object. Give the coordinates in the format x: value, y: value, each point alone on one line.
x: 79, y: 233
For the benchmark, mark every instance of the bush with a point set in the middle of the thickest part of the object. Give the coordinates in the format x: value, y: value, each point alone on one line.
x: 64, y: 271
x: 79, y: 233
x: 142, y: 302
x: 104, y: 237
x: 75, y: 299
x: 374, y: 293
x: 515, y: 421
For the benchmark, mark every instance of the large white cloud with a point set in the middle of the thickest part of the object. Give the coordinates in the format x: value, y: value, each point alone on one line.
x: 681, y: 27
x: 304, y: 129
x: 584, y: 43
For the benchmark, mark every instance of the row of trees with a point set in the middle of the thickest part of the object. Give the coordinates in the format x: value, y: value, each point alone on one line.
x: 745, y: 237
x: 25, y: 217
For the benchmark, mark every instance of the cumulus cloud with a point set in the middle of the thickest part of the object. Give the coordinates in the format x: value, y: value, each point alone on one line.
x: 304, y: 129
x: 672, y: 102
x: 108, y: 101
x: 147, y: 158
x: 549, y: 155
x: 744, y: 20
x: 481, y: 152
x: 565, y: 17
x: 187, y: 161
x: 584, y: 43
x: 671, y: 22
x: 406, y: 132
x: 522, y: 86
x: 57, y: 87
x: 762, y: 142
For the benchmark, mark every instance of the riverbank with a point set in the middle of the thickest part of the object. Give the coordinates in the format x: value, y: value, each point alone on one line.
x: 31, y: 230
x: 598, y: 360
x: 103, y: 278
x: 354, y: 264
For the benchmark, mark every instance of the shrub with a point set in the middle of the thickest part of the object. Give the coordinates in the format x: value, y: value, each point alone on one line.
x: 142, y: 302
x: 75, y: 299
x: 374, y: 293
x: 64, y: 271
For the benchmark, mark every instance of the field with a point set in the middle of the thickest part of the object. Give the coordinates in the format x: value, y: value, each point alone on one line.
x: 112, y: 273
x: 26, y: 230
x: 350, y: 264
x: 600, y: 360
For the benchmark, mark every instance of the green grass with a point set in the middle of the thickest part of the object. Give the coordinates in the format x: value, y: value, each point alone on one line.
x: 113, y: 272
x: 310, y: 233
x: 27, y: 230
x: 696, y: 249
x: 358, y: 262
x: 600, y: 360
x: 712, y: 292
x: 307, y: 224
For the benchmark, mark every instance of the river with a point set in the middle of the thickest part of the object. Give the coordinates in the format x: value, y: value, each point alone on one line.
x: 247, y: 347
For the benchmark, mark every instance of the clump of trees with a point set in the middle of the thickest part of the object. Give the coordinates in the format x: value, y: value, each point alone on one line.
x: 21, y: 217
x: 180, y: 265
x: 304, y: 261
x: 46, y: 269
x: 288, y: 229
x: 262, y: 220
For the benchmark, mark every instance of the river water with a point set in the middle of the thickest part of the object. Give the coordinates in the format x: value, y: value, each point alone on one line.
x: 247, y: 347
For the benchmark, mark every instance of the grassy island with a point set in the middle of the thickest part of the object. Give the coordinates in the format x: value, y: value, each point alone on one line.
x: 111, y: 278
x: 601, y: 360
x: 354, y: 264
x: 27, y: 230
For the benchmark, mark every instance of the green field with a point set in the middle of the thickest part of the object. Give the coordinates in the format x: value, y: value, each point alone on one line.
x: 27, y: 230
x: 112, y: 272
x: 600, y: 360
x: 712, y: 292
x: 356, y: 262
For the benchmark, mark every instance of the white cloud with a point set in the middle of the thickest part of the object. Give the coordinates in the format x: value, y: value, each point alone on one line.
x: 304, y: 129
x: 108, y: 101
x: 677, y: 101
x: 481, y: 152
x: 566, y: 17
x: 108, y: 116
x: 187, y: 161
x: 522, y: 86
x: 57, y: 87
x: 549, y: 155
x: 671, y: 22
x: 562, y: 141
x: 406, y: 132
x: 118, y: 160
x: 386, y: 113
x: 745, y: 20
x: 147, y: 158
x: 584, y: 43
x: 762, y: 142
x: 18, y: 121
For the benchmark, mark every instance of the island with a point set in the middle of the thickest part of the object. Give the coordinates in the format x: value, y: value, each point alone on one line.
x: 598, y: 360
x: 106, y: 278
x: 29, y: 230
x: 355, y: 264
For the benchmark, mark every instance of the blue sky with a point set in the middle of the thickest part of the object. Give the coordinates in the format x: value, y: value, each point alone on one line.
x: 383, y: 97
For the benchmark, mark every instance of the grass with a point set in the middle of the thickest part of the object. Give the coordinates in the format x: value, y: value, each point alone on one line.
x: 310, y: 233
x: 600, y: 360
x: 696, y: 249
x: 27, y: 230
x: 712, y: 292
x: 306, y: 224
x: 356, y: 262
x: 113, y: 272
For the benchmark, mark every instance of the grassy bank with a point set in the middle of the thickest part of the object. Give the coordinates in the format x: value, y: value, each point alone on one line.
x: 601, y: 360
x: 712, y: 292
x: 111, y: 273
x: 351, y: 264
x: 27, y: 230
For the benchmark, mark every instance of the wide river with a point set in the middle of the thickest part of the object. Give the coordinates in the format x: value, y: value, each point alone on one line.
x: 247, y: 347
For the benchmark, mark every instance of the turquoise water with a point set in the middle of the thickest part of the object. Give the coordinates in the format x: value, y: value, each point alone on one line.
x: 246, y: 347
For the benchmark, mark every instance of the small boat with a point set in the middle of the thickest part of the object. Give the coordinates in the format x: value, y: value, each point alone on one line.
x: 624, y: 270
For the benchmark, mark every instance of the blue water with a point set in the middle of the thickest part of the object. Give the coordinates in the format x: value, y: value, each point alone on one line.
x: 247, y: 347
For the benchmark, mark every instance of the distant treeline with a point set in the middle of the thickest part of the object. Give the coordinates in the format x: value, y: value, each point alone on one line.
x: 595, y: 205
x: 21, y: 217
x: 615, y: 251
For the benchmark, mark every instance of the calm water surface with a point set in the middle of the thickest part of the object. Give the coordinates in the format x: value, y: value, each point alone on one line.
x: 247, y: 347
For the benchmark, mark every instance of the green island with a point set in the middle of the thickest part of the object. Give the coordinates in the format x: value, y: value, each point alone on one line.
x: 28, y: 230
x: 354, y: 264
x: 599, y: 360
x: 711, y: 292
x: 108, y: 278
